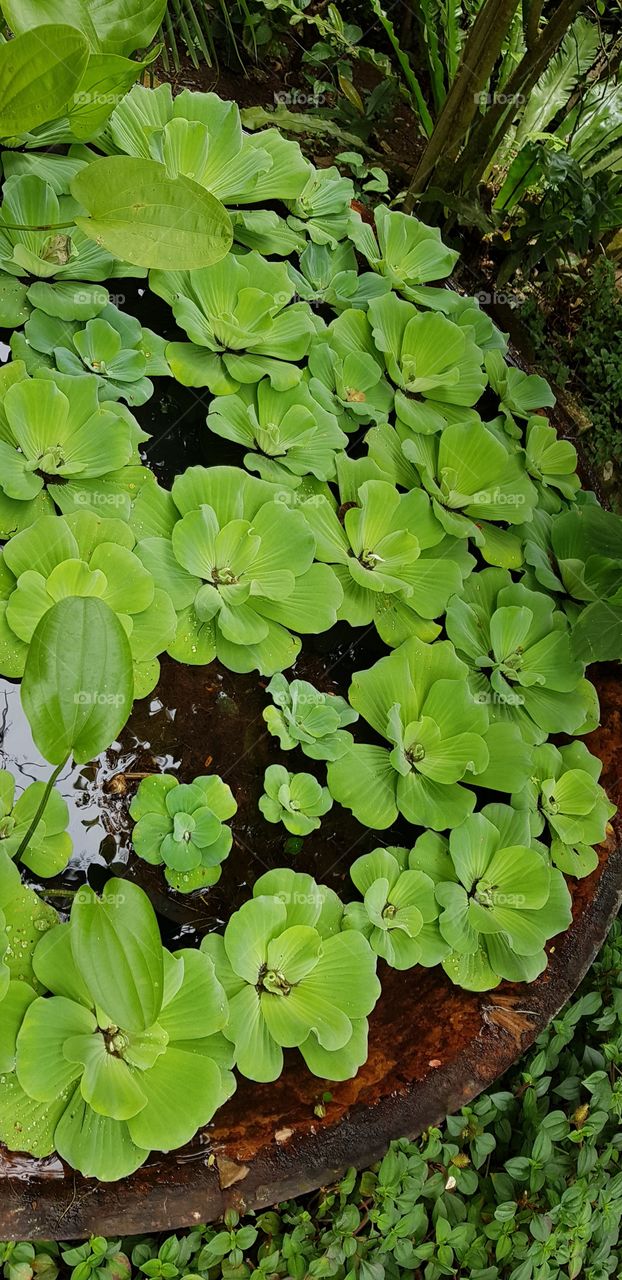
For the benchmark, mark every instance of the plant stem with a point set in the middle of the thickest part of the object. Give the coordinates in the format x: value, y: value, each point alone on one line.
x: 23, y: 226
x: 40, y: 811
x: 479, y: 55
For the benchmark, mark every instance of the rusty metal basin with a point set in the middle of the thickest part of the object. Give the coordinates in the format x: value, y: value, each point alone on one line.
x: 433, y: 1047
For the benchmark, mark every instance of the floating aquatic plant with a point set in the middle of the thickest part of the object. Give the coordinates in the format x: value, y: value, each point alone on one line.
x: 303, y: 716
x: 297, y: 800
x: 182, y: 826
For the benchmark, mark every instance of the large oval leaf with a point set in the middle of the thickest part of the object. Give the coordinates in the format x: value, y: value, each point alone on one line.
x: 116, y: 945
x: 144, y: 217
x: 78, y: 685
x: 110, y: 26
x: 39, y: 73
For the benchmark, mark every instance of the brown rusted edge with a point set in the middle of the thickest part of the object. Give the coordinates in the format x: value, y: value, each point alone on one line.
x: 433, y: 1048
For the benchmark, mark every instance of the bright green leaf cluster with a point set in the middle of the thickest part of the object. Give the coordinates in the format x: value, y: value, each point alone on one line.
x: 100, y: 340
x: 297, y: 800
x: 294, y: 981
x: 441, y: 735
x: 520, y: 656
x: 399, y: 912
x: 199, y: 136
x: 578, y: 554
x: 563, y: 796
x: 133, y: 1058
x: 405, y: 251
x: 238, y: 566
x: 305, y: 717
x: 500, y: 899
x: 60, y: 444
x: 289, y: 432
x: 389, y: 552
x: 182, y: 825
x: 241, y: 322
x: 81, y: 555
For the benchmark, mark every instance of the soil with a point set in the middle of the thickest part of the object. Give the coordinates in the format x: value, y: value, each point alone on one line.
x: 394, y: 141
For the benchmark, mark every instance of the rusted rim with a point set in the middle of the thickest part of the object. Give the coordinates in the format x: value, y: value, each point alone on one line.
x: 433, y: 1047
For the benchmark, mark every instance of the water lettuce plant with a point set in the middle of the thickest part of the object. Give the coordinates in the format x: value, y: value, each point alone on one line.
x: 406, y: 252
x: 520, y: 394
x: 328, y: 274
x: 111, y: 345
x: 419, y: 700
x: 201, y: 137
x: 82, y: 555
x: 119, y: 1058
x: 322, y: 209
x: 347, y: 373
x: 576, y: 556
x: 303, y: 716
x: 297, y: 800
x: 432, y: 361
x: 399, y: 912
x: 289, y: 433
x: 49, y: 848
x: 182, y: 827
x: 56, y: 433
x: 238, y: 566
x: 390, y: 554
x: 518, y: 647
x: 28, y: 201
x: 473, y: 477
x: 500, y: 900
x: 551, y: 462
x: 563, y: 797
x: 241, y: 321
x: 293, y: 981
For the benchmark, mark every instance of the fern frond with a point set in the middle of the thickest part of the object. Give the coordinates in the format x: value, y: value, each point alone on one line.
x: 573, y: 59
